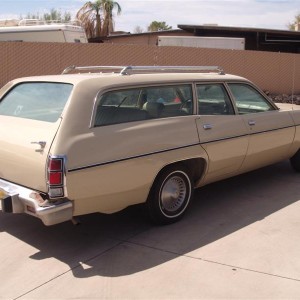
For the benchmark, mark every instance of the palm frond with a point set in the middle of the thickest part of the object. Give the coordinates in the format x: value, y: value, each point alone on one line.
x: 97, y: 17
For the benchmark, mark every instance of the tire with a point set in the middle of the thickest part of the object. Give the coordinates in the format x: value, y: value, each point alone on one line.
x: 295, y: 161
x: 170, y: 195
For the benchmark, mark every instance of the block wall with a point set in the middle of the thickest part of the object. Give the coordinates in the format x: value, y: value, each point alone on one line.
x: 275, y: 72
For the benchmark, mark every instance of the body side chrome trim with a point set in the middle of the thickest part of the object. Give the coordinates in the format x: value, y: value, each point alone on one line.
x: 131, y: 157
x: 171, y: 149
x: 270, y: 130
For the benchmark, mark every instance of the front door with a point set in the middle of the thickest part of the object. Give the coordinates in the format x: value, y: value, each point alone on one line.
x: 271, y: 131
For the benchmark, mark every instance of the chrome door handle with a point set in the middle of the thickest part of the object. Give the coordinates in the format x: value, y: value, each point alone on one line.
x: 42, y: 145
x: 251, y: 122
x: 207, y: 126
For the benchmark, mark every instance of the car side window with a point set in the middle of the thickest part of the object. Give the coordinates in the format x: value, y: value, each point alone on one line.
x: 248, y: 99
x: 213, y: 100
x: 143, y: 103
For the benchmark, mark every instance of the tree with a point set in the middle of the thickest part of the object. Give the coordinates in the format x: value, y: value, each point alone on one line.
x: 138, y: 29
x: 292, y: 26
x: 89, y: 15
x: 157, y: 26
x: 97, y: 17
x: 32, y: 16
x: 54, y: 15
x: 108, y: 23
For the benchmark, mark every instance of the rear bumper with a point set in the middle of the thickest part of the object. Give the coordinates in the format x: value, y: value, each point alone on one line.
x: 17, y: 199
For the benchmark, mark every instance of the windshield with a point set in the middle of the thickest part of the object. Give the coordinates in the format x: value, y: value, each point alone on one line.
x: 42, y: 101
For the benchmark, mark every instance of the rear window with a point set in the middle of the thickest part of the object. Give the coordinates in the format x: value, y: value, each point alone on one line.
x: 43, y: 101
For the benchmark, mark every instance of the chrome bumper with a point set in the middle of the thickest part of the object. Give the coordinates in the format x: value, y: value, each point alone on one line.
x: 17, y: 199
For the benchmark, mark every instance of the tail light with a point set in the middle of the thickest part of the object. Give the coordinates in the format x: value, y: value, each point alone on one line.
x: 56, y: 176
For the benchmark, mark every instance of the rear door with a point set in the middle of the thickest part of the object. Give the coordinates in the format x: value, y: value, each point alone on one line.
x: 29, y: 117
x: 222, y: 133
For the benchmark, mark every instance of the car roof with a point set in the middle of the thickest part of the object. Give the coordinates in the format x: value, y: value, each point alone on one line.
x: 108, y: 79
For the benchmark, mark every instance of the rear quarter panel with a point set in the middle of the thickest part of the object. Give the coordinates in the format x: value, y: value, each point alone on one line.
x: 112, y: 167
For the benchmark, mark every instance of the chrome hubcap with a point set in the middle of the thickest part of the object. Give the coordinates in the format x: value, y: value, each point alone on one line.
x: 173, y: 194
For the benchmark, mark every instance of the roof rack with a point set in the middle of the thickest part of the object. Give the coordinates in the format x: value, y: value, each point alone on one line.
x: 128, y: 70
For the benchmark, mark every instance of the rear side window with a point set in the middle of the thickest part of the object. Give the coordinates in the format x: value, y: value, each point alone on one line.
x: 213, y: 100
x: 144, y: 103
x: 43, y: 101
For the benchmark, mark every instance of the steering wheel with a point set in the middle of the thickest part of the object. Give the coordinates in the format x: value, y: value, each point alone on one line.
x: 186, y: 106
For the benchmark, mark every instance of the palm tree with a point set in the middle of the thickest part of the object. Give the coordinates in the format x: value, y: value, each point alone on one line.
x: 90, y: 18
x: 108, y: 23
x: 97, y: 17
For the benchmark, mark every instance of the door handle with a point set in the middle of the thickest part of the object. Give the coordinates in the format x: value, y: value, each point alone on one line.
x: 251, y: 122
x: 42, y: 145
x: 207, y: 126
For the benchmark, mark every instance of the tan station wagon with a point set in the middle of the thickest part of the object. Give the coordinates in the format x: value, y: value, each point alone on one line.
x: 105, y: 138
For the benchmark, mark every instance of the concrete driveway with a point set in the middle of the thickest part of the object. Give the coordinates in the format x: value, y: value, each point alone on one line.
x: 240, y: 239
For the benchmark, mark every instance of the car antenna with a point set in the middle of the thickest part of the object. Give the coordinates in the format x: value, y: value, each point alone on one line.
x: 293, y: 81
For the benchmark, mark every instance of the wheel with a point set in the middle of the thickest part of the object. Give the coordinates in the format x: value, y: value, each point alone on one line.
x: 170, y: 195
x: 295, y: 161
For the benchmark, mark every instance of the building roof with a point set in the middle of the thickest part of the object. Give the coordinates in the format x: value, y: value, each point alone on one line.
x: 255, y: 38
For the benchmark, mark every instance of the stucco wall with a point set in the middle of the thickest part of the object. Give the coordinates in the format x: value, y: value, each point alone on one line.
x: 276, y: 72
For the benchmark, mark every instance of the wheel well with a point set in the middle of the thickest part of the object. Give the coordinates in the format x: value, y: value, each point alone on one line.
x: 195, y: 166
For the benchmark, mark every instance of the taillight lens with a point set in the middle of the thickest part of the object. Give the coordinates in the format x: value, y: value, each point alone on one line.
x: 55, y: 164
x: 55, y: 178
x: 55, y: 175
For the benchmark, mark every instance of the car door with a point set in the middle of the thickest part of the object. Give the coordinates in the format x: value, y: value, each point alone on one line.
x: 271, y: 131
x: 222, y: 133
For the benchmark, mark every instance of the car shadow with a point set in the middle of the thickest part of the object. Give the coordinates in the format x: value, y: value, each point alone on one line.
x: 126, y: 243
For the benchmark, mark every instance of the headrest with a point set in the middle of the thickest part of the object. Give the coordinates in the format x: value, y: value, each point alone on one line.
x: 154, y: 109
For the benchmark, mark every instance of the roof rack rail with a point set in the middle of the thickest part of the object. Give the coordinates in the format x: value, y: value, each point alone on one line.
x: 128, y: 70
x: 92, y: 68
x: 170, y: 69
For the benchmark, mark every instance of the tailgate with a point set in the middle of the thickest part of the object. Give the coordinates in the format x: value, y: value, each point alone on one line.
x: 22, y: 159
x: 29, y: 119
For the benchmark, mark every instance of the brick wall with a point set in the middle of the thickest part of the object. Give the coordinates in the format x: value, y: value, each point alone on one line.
x: 275, y: 72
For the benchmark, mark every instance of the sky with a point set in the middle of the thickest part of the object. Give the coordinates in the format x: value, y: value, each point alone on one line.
x: 272, y: 14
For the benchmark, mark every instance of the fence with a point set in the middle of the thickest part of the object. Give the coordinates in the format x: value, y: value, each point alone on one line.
x: 275, y: 72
